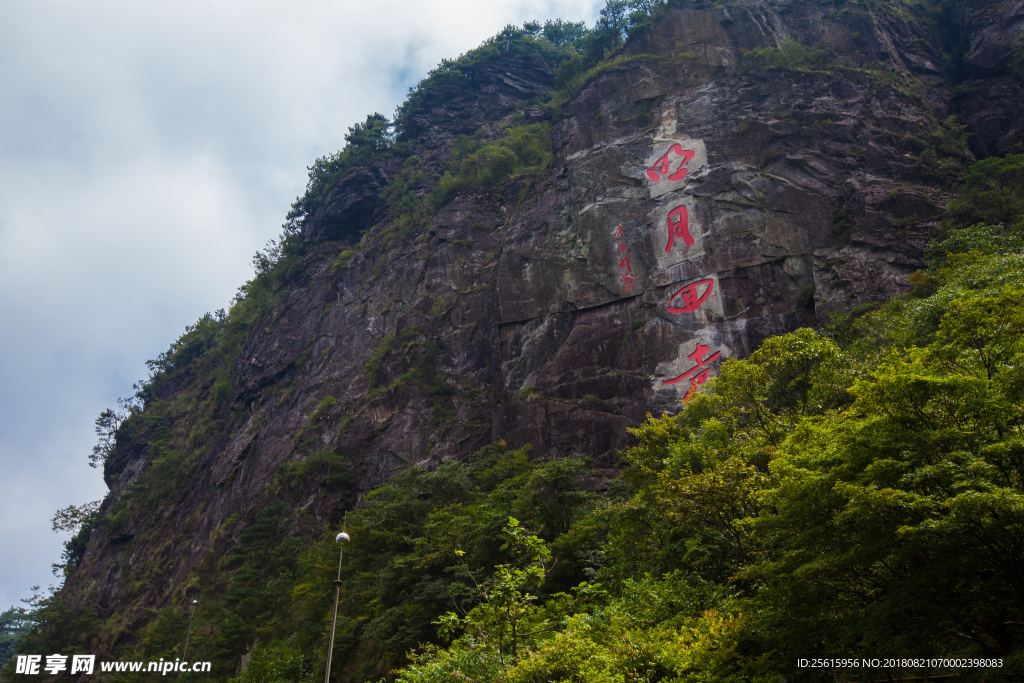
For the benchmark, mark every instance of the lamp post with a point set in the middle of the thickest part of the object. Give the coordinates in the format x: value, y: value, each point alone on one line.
x: 185, y: 650
x: 341, y: 539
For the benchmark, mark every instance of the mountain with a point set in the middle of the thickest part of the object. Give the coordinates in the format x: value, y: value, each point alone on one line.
x: 561, y: 233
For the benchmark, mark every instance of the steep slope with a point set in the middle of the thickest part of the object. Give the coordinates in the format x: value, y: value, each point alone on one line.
x: 731, y: 173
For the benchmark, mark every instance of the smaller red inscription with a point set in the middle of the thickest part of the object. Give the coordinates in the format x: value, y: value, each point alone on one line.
x: 662, y: 166
x: 624, y: 261
x: 678, y: 226
x: 691, y: 301
x: 701, y: 375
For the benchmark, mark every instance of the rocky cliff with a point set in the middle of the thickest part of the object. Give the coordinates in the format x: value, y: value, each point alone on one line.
x: 730, y: 173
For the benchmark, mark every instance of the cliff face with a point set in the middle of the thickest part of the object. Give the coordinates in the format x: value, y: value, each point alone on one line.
x: 715, y: 183
x: 994, y: 101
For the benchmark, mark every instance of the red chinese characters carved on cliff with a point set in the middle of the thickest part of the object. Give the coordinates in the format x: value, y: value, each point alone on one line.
x: 663, y: 165
x: 624, y: 261
x: 678, y: 226
x: 689, y: 298
x: 698, y: 374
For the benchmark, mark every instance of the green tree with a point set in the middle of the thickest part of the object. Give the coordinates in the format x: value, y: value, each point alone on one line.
x: 15, y: 624
x: 993, y: 193
x: 79, y: 521
x: 504, y: 618
x: 373, y: 135
x: 363, y: 140
x: 107, y: 425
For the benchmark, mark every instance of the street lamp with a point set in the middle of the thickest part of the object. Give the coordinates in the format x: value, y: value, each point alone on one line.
x: 341, y: 539
x: 185, y: 650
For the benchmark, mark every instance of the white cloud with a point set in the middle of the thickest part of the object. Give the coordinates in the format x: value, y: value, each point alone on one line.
x: 146, y: 151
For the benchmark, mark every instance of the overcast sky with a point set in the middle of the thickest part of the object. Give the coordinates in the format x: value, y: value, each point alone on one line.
x: 147, y: 150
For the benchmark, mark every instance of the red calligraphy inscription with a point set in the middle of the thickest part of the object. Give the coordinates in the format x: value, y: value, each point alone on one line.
x: 624, y: 262
x: 678, y: 226
x: 691, y: 301
x: 662, y: 166
x: 698, y: 374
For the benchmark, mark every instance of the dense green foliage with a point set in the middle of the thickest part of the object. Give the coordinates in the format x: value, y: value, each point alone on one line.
x: 267, y: 666
x: 993, y: 194
x: 420, y: 536
x: 522, y: 150
x: 265, y: 563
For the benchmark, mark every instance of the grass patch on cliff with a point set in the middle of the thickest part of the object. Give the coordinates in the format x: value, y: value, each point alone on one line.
x: 791, y: 56
x: 327, y: 467
x: 323, y: 408
x: 521, y: 151
x: 343, y: 259
x: 320, y: 414
x: 407, y: 204
x: 415, y: 195
x: 375, y: 366
x: 572, y: 76
x: 408, y: 357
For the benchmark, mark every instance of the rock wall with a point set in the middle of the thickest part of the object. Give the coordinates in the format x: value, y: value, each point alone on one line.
x: 698, y: 203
